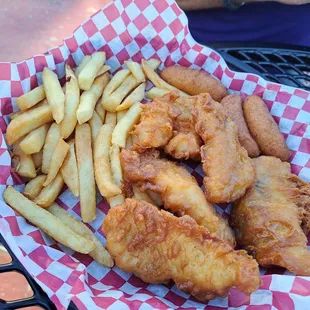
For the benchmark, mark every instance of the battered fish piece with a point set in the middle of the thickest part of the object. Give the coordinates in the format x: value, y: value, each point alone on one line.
x: 154, y: 130
x: 228, y: 168
x: 157, y: 246
x: 178, y: 189
x: 268, y: 218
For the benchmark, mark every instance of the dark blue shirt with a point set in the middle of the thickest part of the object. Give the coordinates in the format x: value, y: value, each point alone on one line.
x: 259, y: 22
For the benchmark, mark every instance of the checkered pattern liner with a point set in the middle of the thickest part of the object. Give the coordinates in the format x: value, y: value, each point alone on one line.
x: 133, y: 30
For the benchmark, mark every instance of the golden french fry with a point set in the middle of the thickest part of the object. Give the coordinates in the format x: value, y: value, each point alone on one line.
x: 139, y: 195
x: 120, y: 115
x: 82, y: 65
x: 103, y: 69
x: 116, y: 167
x: 30, y: 99
x: 34, y: 187
x: 69, y: 170
x: 125, y: 125
x: 34, y: 140
x: 153, y: 63
x: 157, y: 80
x: 116, y: 200
x: 72, y: 99
x: 111, y: 103
x: 136, y: 95
x: 84, y: 157
x: 19, y: 112
x: 50, y: 192
x: 54, y: 94
x: 89, y: 72
x: 28, y: 121
x: 37, y: 159
x: 156, y: 92
x: 15, y: 114
x: 155, y: 198
x: 47, y: 222
x: 136, y: 70
x: 99, y: 254
x: 90, y: 97
x: 95, y: 123
x: 23, y: 163
x: 103, y: 173
x: 118, y: 78
x: 111, y: 118
x: 100, y: 110
x: 129, y: 142
x: 58, y: 157
x: 52, y: 138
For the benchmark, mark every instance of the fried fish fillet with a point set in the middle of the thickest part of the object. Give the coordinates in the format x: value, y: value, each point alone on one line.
x: 268, y: 218
x: 228, y: 168
x: 157, y: 246
x: 167, y: 122
x: 178, y: 189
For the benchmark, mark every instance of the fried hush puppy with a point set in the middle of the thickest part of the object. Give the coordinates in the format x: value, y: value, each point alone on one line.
x: 194, y: 82
x: 157, y: 246
x: 268, y: 218
x: 264, y: 129
x: 233, y: 107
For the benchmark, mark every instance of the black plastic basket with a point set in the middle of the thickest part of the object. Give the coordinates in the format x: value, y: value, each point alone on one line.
x: 289, y: 65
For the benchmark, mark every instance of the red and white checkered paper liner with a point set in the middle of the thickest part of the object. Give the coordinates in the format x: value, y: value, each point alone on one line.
x: 133, y: 30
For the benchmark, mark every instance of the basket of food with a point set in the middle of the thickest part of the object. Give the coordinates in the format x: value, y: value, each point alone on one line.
x: 138, y: 171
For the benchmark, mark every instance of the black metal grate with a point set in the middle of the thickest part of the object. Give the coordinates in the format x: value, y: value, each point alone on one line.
x: 288, y: 65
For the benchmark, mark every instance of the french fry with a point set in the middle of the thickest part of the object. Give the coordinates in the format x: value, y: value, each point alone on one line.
x: 69, y: 170
x: 116, y: 200
x: 125, y: 125
x: 34, y: 140
x: 99, y: 254
x: 58, y: 157
x: 89, y: 72
x: 114, y: 100
x: 54, y: 94
x: 82, y: 65
x: 19, y: 112
x: 34, y: 187
x: 15, y: 114
x: 139, y: 195
x: 52, y: 138
x: 103, y: 69
x: 23, y: 163
x: 30, y: 99
x: 95, y: 123
x: 47, y: 222
x: 157, y: 80
x: 100, y: 110
x: 103, y: 173
x: 156, y: 92
x: 28, y: 121
x: 136, y: 70
x: 111, y: 118
x: 129, y: 142
x: 153, y: 63
x: 37, y: 159
x: 87, y: 187
x: 50, y: 192
x: 118, y: 78
x: 90, y: 97
x: 136, y: 95
x: 116, y: 167
x: 72, y: 99
x: 120, y: 115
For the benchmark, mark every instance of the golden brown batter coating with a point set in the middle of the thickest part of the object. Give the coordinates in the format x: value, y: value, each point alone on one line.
x: 157, y: 246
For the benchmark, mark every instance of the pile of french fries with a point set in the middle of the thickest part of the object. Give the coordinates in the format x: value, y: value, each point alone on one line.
x: 73, y: 135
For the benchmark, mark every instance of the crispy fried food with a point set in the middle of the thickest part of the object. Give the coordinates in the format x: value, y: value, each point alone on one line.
x: 193, y: 82
x: 157, y: 246
x: 268, y: 217
x: 228, y: 168
x: 181, y: 140
x: 264, y: 129
x: 178, y: 189
x: 233, y: 106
